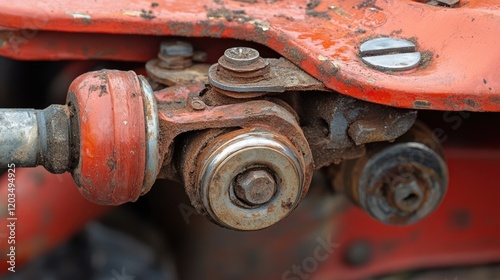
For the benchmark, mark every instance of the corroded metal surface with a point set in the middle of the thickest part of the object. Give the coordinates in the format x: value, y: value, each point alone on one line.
x: 177, y: 118
x: 337, y: 127
x: 281, y: 75
x: 399, y: 183
x: 172, y: 77
x: 220, y: 163
x: 465, y: 215
x: 320, y: 36
x: 202, y: 186
x: 119, y: 126
x: 174, y: 65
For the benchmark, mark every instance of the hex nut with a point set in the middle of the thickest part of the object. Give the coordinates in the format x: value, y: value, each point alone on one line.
x: 255, y: 187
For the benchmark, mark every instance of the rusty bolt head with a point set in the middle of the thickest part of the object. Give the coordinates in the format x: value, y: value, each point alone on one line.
x: 176, y: 48
x: 241, y: 56
x: 255, y: 187
x: 197, y: 104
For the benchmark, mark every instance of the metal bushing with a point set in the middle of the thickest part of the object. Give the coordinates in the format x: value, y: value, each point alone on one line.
x: 399, y: 184
x: 235, y: 69
x: 116, y: 127
x: 250, y: 179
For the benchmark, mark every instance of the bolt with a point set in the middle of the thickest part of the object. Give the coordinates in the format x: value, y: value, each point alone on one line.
x: 241, y: 56
x: 255, y: 187
x: 389, y: 54
x: 237, y: 68
x: 175, y: 55
x: 241, y: 65
x: 401, y: 183
x: 408, y: 196
x: 197, y: 104
x: 176, y: 48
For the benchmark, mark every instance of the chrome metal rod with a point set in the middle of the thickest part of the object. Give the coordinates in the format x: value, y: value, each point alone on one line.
x: 31, y: 137
x: 19, y: 137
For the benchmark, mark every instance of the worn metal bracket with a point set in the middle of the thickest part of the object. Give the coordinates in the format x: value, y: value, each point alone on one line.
x: 283, y: 76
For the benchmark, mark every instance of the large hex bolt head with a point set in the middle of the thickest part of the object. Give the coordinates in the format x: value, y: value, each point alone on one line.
x: 255, y: 187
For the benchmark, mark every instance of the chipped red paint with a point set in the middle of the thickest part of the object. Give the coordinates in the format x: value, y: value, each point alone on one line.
x: 461, y: 72
x: 112, y: 134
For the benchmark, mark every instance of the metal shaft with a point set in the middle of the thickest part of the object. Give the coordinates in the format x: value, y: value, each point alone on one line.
x: 31, y: 137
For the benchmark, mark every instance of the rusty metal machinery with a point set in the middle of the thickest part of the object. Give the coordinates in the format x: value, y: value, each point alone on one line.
x: 244, y: 100
x: 397, y: 183
x: 243, y: 135
x: 322, y: 37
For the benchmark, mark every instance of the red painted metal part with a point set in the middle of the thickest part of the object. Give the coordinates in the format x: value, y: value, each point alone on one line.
x: 49, y: 210
x: 55, y: 45
x: 112, y: 136
x: 322, y: 38
x: 463, y: 231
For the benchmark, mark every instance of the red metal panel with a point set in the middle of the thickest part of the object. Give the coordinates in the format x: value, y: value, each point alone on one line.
x: 322, y: 37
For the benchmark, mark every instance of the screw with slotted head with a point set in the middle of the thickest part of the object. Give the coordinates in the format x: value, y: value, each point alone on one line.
x: 389, y: 54
x: 255, y: 187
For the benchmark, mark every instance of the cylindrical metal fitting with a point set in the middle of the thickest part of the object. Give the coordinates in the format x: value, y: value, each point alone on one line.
x: 176, y: 48
x: 242, y: 63
x: 175, y: 55
x: 35, y: 137
x: 246, y: 179
x: 398, y: 183
x: 238, y: 65
x: 241, y: 56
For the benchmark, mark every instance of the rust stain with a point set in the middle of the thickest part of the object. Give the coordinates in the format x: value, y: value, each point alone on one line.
x: 311, y: 10
x: 419, y: 104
